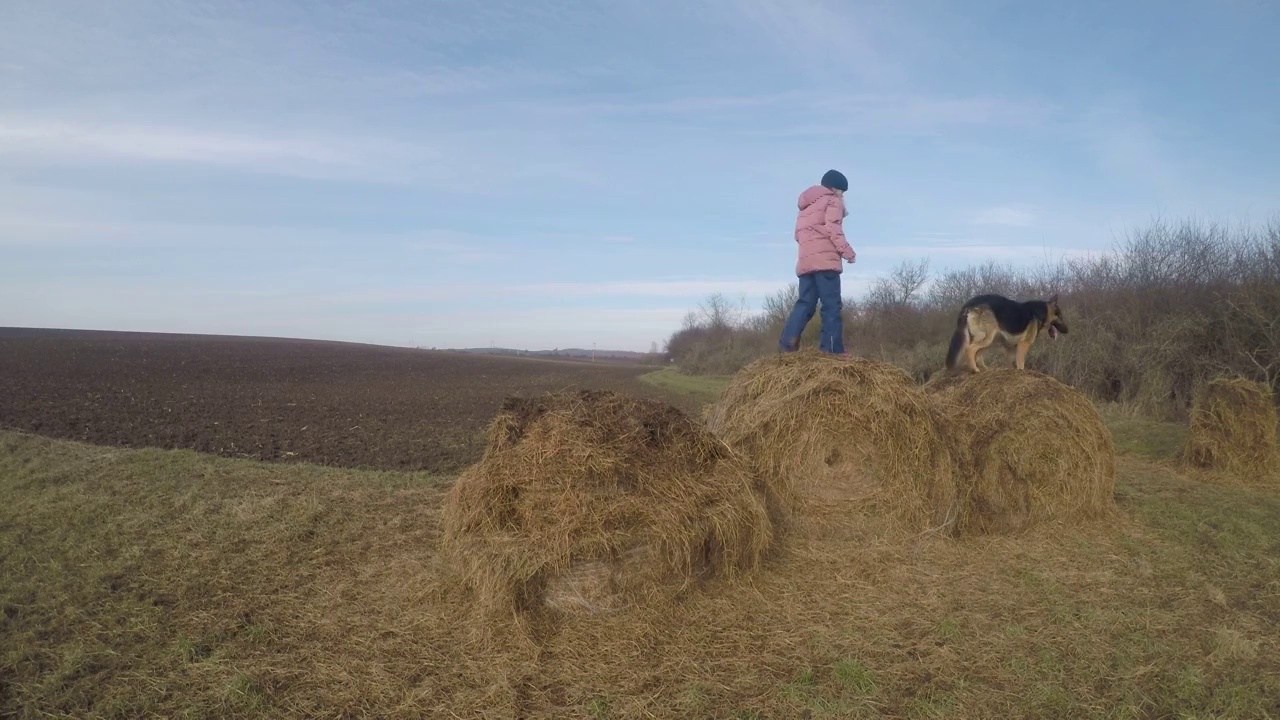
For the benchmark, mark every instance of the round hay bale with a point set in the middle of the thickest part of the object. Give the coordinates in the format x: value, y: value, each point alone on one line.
x: 594, y: 501
x: 942, y: 381
x: 1034, y: 450
x: 1233, y: 430
x: 845, y: 443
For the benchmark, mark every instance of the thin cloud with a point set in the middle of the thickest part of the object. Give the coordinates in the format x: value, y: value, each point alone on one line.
x: 457, y: 162
x: 887, y: 113
x: 809, y: 31
x: 19, y: 229
x: 652, y: 288
x: 936, y: 234
x: 963, y: 250
x: 675, y: 106
x: 903, y: 114
x: 1005, y: 216
x: 562, y: 291
x: 446, y: 80
x: 171, y: 307
x: 323, y: 157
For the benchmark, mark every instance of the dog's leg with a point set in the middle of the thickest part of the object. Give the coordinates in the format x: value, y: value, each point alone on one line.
x: 980, y: 338
x: 1020, y: 358
x: 978, y: 345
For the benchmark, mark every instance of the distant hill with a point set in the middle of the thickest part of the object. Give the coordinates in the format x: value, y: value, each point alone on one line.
x: 579, y: 353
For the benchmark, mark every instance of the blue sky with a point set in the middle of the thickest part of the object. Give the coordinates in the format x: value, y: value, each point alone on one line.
x: 543, y: 173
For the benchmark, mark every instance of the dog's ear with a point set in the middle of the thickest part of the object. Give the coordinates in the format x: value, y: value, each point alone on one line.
x: 1053, y: 299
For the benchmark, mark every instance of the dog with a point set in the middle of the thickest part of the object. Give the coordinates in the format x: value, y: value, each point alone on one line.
x: 987, y: 318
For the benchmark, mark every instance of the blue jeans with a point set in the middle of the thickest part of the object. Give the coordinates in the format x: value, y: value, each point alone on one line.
x: 824, y: 286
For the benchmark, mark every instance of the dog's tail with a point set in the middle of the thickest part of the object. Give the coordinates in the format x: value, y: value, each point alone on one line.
x: 959, y: 339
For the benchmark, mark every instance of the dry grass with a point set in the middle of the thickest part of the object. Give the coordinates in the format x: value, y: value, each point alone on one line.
x: 848, y: 444
x: 1136, y: 433
x: 144, y: 583
x: 1034, y: 451
x: 1233, y: 431
x: 173, y: 584
x: 595, y: 502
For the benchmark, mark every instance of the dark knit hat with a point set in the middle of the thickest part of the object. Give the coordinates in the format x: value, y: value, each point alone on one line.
x: 834, y: 180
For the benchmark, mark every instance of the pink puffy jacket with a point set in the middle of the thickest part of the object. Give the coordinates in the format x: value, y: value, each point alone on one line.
x: 820, y: 232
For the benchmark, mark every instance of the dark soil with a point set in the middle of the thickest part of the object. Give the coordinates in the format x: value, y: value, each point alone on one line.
x: 329, y: 403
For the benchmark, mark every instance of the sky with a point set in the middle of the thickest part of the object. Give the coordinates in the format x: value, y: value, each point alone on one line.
x: 559, y: 173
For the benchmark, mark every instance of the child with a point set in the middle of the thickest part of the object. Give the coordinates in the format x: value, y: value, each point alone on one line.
x: 820, y: 246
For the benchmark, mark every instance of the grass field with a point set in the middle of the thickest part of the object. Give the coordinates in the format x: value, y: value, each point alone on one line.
x: 171, y: 583
x: 700, y: 389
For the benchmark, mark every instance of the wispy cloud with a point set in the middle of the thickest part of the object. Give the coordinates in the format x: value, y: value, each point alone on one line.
x: 966, y: 251
x: 901, y: 114
x: 459, y: 161
x: 823, y: 34
x: 319, y: 157
x: 18, y: 229
x: 844, y: 113
x: 444, y: 80
x: 674, y: 288
x: 652, y: 288
x: 1005, y: 216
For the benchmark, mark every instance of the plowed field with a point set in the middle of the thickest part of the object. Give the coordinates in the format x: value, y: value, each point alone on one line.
x: 329, y: 403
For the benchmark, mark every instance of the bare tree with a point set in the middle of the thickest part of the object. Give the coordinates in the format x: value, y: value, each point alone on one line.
x: 908, y: 279
x: 719, y: 313
x: 902, y: 286
x: 1252, y: 333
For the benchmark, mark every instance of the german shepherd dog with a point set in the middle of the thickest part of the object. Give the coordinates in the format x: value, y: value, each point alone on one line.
x: 987, y: 318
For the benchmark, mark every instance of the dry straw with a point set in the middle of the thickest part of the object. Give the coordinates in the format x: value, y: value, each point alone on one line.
x: 593, y: 502
x: 1034, y: 450
x: 943, y: 380
x: 847, y: 444
x: 1233, y: 430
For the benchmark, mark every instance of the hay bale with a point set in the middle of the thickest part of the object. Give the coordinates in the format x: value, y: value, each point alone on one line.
x: 846, y: 443
x: 943, y: 380
x: 1034, y: 450
x: 594, y: 501
x: 1233, y: 430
